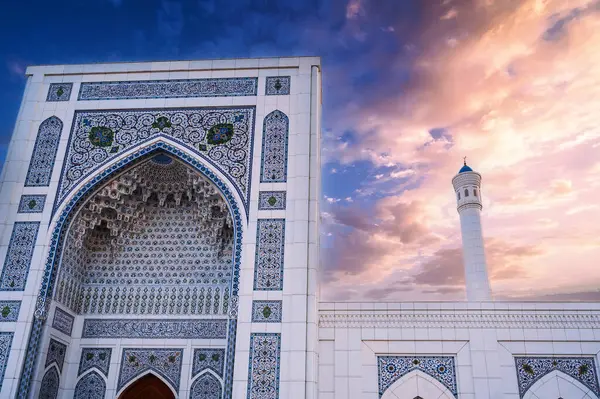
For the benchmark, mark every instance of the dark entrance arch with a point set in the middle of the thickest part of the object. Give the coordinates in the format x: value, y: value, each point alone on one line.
x: 148, y: 387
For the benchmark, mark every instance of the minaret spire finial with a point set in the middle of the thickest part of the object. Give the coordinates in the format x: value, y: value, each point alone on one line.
x: 465, y: 160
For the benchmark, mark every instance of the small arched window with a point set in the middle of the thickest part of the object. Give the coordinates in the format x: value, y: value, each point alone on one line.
x: 466, y: 192
x: 458, y: 192
x: 475, y: 192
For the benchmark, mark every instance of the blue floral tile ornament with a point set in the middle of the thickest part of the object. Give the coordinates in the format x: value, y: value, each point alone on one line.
x: 211, y: 87
x: 207, y: 386
x: 268, y: 263
x: 50, y: 384
x: 278, y: 85
x: 208, y: 358
x: 263, y: 369
x: 56, y: 354
x: 154, y: 328
x: 532, y: 369
x: 222, y: 136
x: 91, y: 386
x: 266, y: 311
x: 273, y: 167
x: 59, y: 92
x: 271, y: 200
x: 5, y: 344
x: 165, y: 362
x: 98, y: 358
x: 63, y: 321
x: 44, y: 153
x: 391, y: 368
x: 230, y: 357
x: 31, y: 204
x: 18, y: 256
x: 9, y: 310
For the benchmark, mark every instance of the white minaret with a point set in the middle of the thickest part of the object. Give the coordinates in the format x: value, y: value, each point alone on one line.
x: 467, y: 187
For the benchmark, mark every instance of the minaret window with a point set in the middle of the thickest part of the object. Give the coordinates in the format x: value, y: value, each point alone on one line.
x: 458, y: 192
x: 475, y: 192
x: 466, y: 192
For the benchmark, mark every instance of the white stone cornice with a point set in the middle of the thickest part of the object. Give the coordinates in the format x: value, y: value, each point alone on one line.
x: 463, y: 319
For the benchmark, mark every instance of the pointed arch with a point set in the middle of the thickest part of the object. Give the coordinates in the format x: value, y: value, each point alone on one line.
x: 273, y: 168
x: 417, y: 384
x: 206, y: 386
x: 44, y: 153
x: 50, y: 384
x: 90, y: 386
x: 148, y: 378
x: 60, y: 223
x: 557, y: 384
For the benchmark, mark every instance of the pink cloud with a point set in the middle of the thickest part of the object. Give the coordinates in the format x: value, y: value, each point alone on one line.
x: 524, y: 107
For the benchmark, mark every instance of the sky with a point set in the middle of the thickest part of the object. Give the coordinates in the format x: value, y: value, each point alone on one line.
x: 409, y: 88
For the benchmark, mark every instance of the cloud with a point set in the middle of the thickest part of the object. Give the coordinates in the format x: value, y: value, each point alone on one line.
x: 16, y: 68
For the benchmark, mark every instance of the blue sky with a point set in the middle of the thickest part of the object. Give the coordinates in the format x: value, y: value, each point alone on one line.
x: 410, y: 87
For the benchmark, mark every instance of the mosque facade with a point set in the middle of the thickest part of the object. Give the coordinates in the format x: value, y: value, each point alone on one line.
x: 160, y: 238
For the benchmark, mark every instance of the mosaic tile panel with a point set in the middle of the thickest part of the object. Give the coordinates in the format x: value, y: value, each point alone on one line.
x: 277, y: 85
x: 95, y: 357
x: 230, y: 360
x: 157, y: 329
x: 268, y: 264
x: 91, y: 386
x: 266, y: 311
x: 56, y: 354
x: 50, y: 384
x: 63, y: 321
x: 9, y: 310
x: 33, y: 346
x: 211, y: 87
x: 531, y: 369
x: 274, y: 148
x: 18, y: 256
x: 208, y: 358
x: 150, y: 274
x: 31, y: 204
x: 165, y: 362
x: 59, y: 92
x: 271, y: 200
x: 44, y: 153
x: 391, y: 368
x: 221, y: 136
x: 263, y: 369
x: 206, y: 387
x: 5, y: 345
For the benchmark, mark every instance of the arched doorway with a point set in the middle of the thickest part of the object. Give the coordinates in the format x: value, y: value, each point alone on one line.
x: 148, y: 387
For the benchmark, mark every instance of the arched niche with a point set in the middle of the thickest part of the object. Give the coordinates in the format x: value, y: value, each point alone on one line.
x: 417, y: 384
x: 556, y: 385
x: 206, y: 386
x: 148, y: 386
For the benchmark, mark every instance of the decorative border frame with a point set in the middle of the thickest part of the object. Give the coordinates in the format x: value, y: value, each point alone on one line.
x: 61, y: 197
x: 63, y: 222
x: 82, y: 96
x: 9, y: 311
x: 25, y: 205
x: 12, y: 252
x: 154, y: 328
x: 279, y: 202
x: 254, y: 336
x: 445, y: 364
x: 275, y: 311
x: 7, y: 337
x: 569, y: 365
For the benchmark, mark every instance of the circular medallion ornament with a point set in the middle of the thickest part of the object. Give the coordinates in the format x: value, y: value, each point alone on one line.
x: 101, y: 136
x: 220, y: 133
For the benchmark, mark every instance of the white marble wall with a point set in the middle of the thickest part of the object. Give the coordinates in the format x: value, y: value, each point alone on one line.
x: 299, y: 326
x: 482, y: 337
